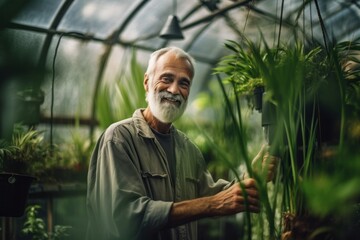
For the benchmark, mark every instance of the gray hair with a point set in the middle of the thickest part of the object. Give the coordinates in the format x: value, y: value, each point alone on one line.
x: 179, y: 53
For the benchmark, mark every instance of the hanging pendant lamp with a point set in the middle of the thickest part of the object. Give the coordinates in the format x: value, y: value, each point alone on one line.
x: 172, y: 29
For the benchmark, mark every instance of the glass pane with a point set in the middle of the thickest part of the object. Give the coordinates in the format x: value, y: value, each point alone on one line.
x: 210, y: 44
x: 144, y: 24
x: 343, y: 24
x: 118, y: 61
x: 153, y: 43
x: 38, y: 13
x: 96, y: 17
x: 23, y: 46
x: 200, y: 79
x: 76, y: 68
x: 148, y: 26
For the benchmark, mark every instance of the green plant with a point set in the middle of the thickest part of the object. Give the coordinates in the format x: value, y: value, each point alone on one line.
x: 80, y: 149
x: 73, y: 155
x: 118, y: 100
x: 26, y: 153
x: 29, y: 153
x: 35, y: 226
x: 297, y: 80
x: 241, y: 68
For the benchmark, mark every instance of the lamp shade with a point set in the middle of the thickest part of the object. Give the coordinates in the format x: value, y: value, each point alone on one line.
x: 172, y: 29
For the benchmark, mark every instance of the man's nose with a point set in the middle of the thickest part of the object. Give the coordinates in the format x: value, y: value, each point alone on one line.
x: 173, y: 88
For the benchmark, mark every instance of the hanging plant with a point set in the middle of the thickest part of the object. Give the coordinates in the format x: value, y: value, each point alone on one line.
x: 294, y: 78
x: 20, y: 160
x: 26, y: 153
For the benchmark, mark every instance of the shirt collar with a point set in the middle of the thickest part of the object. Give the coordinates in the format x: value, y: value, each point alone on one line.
x: 142, y: 127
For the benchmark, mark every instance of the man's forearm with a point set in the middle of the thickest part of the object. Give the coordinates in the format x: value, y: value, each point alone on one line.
x: 187, y: 211
x: 226, y: 202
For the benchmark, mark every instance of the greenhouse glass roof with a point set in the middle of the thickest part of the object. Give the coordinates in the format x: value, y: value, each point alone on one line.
x: 82, y: 44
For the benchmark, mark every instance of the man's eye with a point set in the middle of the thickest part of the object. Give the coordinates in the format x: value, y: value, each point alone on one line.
x: 185, y: 84
x: 166, y: 79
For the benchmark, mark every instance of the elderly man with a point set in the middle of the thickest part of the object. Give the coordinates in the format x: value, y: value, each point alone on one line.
x: 146, y: 179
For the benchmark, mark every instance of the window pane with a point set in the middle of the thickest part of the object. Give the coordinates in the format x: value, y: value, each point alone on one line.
x: 97, y: 17
x: 76, y: 68
x: 38, y: 13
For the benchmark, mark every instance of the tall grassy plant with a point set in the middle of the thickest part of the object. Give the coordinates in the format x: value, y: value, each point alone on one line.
x: 336, y: 176
x: 290, y: 76
x: 237, y: 128
x: 241, y: 69
x: 118, y: 100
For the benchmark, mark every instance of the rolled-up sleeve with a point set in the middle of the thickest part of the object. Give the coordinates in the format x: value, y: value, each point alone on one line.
x: 208, y: 186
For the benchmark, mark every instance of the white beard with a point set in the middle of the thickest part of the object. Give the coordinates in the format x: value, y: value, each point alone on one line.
x: 165, y: 111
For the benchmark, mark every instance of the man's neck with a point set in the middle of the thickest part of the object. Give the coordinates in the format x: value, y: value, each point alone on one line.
x: 154, y: 123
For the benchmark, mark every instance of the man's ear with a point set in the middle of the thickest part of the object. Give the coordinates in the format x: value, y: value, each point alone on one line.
x: 146, y: 82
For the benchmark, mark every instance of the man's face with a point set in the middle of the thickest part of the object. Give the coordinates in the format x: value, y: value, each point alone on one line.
x: 168, y: 88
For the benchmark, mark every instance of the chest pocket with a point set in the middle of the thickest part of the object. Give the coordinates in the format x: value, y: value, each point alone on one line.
x: 192, y: 187
x: 157, y: 185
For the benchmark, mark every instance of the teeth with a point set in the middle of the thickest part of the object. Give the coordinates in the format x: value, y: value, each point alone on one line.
x: 171, y: 99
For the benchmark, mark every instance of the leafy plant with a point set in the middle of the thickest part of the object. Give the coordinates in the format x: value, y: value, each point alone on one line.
x: 29, y: 153
x: 26, y: 153
x: 80, y: 149
x: 35, y: 226
x: 241, y: 68
x: 118, y: 100
x: 75, y: 152
x: 295, y: 77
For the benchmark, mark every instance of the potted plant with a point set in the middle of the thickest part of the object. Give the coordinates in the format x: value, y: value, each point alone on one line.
x: 242, y: 72
x: 69, y: 161
x: 297, y: 80
x: 21, y: 160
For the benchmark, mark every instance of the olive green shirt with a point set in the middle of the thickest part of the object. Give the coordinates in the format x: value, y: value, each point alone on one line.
x: 130, y: 191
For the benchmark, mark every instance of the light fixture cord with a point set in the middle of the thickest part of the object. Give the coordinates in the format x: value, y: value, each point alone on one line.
x: 174, y: 8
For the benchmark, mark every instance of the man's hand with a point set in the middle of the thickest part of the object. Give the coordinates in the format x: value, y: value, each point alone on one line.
x: 227, y: 202
x: 265, y: 164
x: 233, y: 199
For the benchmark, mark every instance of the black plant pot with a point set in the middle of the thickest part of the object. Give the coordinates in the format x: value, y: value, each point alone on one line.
x: 268, y: 119
x: 271, y: 127
x: 14, y: 189
x: 258, y: 98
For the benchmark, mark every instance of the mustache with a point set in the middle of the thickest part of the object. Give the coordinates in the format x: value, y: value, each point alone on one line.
x: 174, y: 97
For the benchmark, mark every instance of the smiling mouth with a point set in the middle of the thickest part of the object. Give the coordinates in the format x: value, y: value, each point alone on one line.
x: 171, y: 100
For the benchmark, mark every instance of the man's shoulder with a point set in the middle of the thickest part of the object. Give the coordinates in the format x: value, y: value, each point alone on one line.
x: 119, y: 128
x: 120, y: 124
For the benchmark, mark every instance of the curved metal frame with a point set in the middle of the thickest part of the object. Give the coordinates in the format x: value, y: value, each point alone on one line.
x: 114, y: 37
